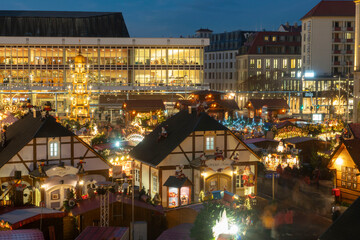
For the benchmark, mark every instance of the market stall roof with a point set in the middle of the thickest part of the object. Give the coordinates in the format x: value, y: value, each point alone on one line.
x: 257, y: 140
x: 176, y: 182
x: 10, y: 119
x: 284, y: 124
x: 206, y: 92
x: 346, y: 226
x: 22, y: 234
x: 229, y: 104
x: 94, y: 203
x: 113, y: 233
x: 24, y: 130
x: 271, y: 104
x: 19, y: 217
x: 296, y: 140
x: 180, y: 232
x: 352, y: 146
x: 355, y: 129
x: 143, y: 105
x: 292, y: 119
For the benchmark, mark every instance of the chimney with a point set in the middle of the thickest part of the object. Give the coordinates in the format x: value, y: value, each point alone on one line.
x: 287, y: 24
x: 295, y: 24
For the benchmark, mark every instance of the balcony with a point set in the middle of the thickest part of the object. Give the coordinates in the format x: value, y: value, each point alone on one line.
x: 337, y: 52
x: 337, y: 40
x: 337, y: 28
x: 349, y: 29
x: 349, y: 40
x: 336, y: 63
x: 349, y: 52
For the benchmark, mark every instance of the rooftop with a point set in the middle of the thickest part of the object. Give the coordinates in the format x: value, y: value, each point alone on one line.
x: 24, y: 130
x: 62, y: 24
x: 346, y: 226
x: 113, y: 233
x: 178, y: 127
x: 269, y: 103
x: 269, y: 46
x: 332, y: 9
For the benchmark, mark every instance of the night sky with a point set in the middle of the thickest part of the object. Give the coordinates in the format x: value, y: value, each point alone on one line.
x: 172, y: 18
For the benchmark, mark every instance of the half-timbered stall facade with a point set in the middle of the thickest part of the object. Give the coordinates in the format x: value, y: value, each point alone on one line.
x: 193, y: 146
x: 345, y: 162
x: 42, y: 161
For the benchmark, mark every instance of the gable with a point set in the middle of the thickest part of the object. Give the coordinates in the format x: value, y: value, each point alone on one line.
x: 183, y: 154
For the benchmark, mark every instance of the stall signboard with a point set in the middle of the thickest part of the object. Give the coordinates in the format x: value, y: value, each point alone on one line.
x: 217, y: 165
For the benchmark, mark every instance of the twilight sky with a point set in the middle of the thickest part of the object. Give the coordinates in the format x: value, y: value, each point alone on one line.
x: 172, y: 18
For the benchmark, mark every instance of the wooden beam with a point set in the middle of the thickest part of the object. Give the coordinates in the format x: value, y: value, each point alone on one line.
x: 86, y: 152
x: 72, y: 150
x: 160, y: 184
x: 225, y: 144
x: 193, y: 146
x: 182, y: 150
x: 47, y: 149
x: 150, y: 180
x: 235, y: 150
x: 140, y: 177
x: 22, y: 160
x: 34, y: 154
x: 173, y: 167
x: 51, y: 160
x: 229, y: 150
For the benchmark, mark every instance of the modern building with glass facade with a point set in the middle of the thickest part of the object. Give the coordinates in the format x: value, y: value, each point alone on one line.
x: 38, y: 65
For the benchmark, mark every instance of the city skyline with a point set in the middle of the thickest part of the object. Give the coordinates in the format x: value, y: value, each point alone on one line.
x: 160, y: 19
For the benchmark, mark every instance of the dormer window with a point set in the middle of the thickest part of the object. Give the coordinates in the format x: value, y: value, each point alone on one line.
x: 54, y: 148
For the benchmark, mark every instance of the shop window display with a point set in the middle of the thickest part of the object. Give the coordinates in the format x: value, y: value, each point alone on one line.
x: 173, y: 197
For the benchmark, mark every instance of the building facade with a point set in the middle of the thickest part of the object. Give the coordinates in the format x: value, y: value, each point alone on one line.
x: 328, y: 33
x: 269, y: 61
x: 41, y: 161
x: 356, y: 114
x: 220, y: 58
x: 37, y: 64
x: 192, y: 153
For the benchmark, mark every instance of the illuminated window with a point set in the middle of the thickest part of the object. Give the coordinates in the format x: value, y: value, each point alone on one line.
x: 274, y: 38
x: 276, y: 63
x: 258, y: 63
x: 54, y: 148
x: 210, y: 143
x: 299, y: 63
x: 293, y: 74
x: 267, y: 75
x: 348, y: 35
x: 293, y: 63
x: 252, y: 63
x: 348, y: 177
x: 267, y: 63
x: 266, y: 38
x: 285, y: 63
